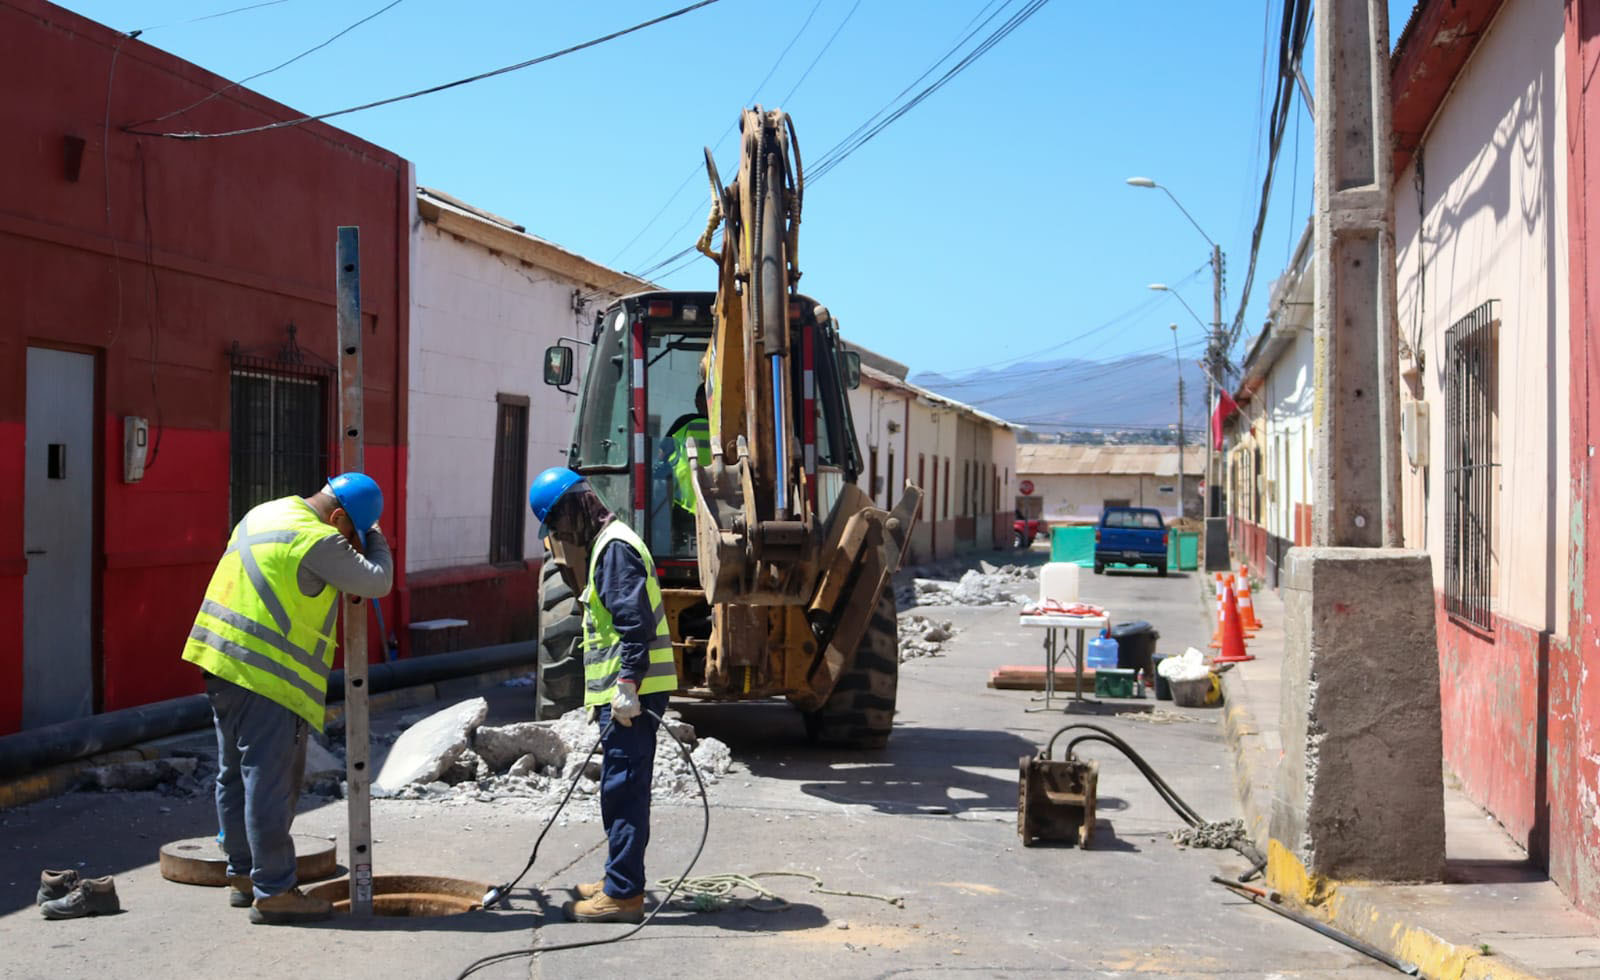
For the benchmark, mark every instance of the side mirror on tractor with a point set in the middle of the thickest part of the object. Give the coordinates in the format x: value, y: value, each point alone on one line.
x: 558, y: 366
x: 850, y: 364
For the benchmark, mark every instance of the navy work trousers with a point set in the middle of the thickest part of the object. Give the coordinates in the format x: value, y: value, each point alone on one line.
x: 261, y: 760
x: 626, y: 769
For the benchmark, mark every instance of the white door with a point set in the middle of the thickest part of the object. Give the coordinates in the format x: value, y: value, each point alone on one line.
x: 58, y: 538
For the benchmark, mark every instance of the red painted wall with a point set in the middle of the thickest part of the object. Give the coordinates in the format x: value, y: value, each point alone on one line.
x: 200, y: 245
x: 1573, y: 689
x: 500, y: 605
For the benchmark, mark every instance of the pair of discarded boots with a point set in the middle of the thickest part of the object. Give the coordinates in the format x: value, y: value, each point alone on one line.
x: 284, y: 908
x: 66, y: 895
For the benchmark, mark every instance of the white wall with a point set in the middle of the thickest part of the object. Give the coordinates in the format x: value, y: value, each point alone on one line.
x: 480, y: 322
x: 1495, y: 227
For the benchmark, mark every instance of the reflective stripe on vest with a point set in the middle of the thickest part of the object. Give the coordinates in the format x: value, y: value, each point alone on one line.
x: 602, y: 644
x: 683, y: 475
x: 255, y: 627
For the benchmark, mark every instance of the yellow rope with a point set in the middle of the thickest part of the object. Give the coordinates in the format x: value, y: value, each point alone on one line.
x: 713, y: 893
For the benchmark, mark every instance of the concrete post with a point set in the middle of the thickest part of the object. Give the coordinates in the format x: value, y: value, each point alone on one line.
x: 1360, y: 791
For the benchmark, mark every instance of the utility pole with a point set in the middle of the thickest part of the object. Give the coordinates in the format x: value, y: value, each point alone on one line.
x: 357, y: 743
x: 1215, y: 358
x: 1359, y: 610
x: 1178, y: 359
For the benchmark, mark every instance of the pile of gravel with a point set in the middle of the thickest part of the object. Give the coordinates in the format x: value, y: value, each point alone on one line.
x: 532, y: 760
x: 923, y: 637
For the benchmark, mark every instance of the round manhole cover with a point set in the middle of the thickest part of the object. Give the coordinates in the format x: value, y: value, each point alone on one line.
x: 200, y: 861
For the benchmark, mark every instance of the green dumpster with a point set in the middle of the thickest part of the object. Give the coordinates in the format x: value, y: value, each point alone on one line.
x: 1183, y: 550
x: 1074, y: 543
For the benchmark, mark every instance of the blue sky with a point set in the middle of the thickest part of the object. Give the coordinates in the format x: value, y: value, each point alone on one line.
x: 989, y: 222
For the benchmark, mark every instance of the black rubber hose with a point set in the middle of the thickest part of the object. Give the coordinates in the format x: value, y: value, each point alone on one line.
x: 705, y: 833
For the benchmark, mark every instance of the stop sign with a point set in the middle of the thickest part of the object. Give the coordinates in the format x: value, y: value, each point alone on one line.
x: 1026, y: 486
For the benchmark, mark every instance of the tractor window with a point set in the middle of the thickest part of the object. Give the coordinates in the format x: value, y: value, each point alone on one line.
x: 672, y: 370
x: 602, y: 437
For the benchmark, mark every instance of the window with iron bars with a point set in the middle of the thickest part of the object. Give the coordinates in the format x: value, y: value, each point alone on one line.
x: 279, y: 430
x: 508, y: 509
x: 1471, y: 442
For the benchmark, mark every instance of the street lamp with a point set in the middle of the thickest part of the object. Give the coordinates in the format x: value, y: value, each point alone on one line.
x: 1162, y: 287
x: 1214, y: 351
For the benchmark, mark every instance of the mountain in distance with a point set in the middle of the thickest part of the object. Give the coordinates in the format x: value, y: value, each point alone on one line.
x: 1134, y: 395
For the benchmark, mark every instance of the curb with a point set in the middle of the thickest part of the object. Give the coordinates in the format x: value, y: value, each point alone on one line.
x: 59, y: 779
x: 1353, y: 907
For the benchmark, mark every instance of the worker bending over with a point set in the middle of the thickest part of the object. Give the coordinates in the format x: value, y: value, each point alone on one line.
x: 265, y: 638
x: 628, y: 672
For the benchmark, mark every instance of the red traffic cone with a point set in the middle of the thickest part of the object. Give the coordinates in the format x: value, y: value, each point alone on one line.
x: 1232, y: 634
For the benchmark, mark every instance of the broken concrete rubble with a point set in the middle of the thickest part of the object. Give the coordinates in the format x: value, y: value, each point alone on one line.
x: 141, y: 774
x: 502, y: 745
x: 425, y: 750
x: 923, y: 637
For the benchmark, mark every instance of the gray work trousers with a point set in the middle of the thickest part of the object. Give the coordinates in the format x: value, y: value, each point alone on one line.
x: 261, y: 762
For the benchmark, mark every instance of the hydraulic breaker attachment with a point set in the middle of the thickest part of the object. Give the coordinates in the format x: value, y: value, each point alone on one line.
x: 745, y: 561
x: 864, y: 545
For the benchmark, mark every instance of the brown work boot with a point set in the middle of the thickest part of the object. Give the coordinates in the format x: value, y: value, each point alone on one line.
x: 58, y: 884
x: 590, y: 889
x: 289, y: 907
x: 604, y: 908
x: 241, y: 891
x: 93, y: 896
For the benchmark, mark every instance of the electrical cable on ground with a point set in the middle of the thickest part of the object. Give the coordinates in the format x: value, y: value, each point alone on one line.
x: 1168, y: 795
x: 302, y: 120
x: 712, y: 893
x: 500, y: 893
x: 1273, y: 902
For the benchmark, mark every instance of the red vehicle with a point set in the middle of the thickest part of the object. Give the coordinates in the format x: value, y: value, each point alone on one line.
x: 1025, y: 531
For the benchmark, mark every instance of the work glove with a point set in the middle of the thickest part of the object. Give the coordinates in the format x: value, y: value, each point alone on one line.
x: 625, y: 703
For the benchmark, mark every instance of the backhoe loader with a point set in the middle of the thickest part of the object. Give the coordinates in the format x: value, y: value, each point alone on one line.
x: 774, y: 566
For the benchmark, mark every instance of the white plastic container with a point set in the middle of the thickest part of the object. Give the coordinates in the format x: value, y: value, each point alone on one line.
x: 1058, y: 580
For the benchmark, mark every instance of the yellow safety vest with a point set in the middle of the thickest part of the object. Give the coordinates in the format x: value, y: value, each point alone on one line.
x: 255, y: 627
x: 683, y: 475
x: 602, y: 644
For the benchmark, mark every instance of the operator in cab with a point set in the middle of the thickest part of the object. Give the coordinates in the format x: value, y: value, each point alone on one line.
x: 674, y: 469
x: 628, y: 671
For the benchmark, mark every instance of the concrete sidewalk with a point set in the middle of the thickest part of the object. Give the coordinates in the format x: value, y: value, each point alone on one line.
x: 1496, y: 915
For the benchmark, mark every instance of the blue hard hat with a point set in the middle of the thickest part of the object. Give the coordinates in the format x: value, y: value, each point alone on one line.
x: 360, y: 497
x: 547, y: 488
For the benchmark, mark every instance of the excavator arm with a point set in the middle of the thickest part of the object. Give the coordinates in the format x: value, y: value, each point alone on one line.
x: 759, y: 538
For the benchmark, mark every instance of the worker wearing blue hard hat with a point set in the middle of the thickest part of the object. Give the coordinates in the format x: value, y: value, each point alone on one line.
x: 628, y: 670
x: 265, y: 638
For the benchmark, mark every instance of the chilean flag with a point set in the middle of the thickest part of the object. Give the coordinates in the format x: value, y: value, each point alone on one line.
x: 1226, y: 406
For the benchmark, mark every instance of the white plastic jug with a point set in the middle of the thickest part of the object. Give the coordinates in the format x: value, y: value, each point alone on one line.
x: 1058, y: 580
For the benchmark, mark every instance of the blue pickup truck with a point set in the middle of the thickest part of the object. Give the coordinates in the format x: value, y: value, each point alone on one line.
x: 1130, y: 536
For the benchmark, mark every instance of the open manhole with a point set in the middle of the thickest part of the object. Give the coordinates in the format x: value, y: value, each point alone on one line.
x: 408, y: 895
x: 200, y: 861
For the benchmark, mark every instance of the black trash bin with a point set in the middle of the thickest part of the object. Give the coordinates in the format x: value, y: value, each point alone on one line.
x: 1136, y: 646
x: 1163, y: 689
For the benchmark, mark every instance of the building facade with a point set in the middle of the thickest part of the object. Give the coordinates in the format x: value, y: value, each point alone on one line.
x: 961, y: 459
x: 1075, y: 483
x: 487, y: 299
x: 169, y: 362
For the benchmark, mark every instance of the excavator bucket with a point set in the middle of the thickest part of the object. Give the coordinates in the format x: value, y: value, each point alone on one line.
x: 863, y: 546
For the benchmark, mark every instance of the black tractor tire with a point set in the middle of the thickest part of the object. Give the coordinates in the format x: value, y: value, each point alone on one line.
x: 859, y: 714
x: 559, y: 684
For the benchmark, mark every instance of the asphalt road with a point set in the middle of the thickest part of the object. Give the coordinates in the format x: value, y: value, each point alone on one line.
x: 931, y: 820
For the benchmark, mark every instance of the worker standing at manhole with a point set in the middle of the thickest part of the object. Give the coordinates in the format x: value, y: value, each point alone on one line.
x: 628, y: 672
x: 265, y: 638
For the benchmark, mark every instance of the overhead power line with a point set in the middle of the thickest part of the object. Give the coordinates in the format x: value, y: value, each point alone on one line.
x: 250, y: 78
x: 302, y: 120
x: 196, y: 20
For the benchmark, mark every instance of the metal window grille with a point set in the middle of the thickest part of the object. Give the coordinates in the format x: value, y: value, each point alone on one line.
x: 507, y: 511
x: 1470, y: 442
x: 279, y: 430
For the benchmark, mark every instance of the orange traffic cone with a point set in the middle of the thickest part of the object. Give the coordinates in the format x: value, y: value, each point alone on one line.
x: 1247, y: 606
x: 1216, y: 636
x: 1232, y: 635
